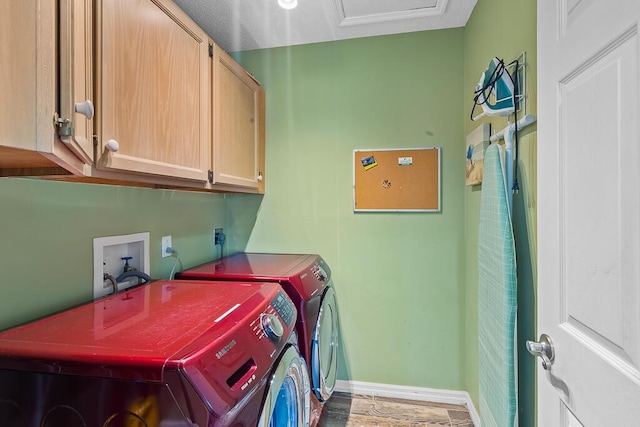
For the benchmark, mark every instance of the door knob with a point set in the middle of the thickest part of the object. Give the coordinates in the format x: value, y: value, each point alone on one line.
x: 85, y: 108
x: 543, y: 349
x: 112, y: 145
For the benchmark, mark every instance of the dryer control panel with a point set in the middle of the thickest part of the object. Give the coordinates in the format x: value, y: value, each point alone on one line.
x: 311, y: 278
x: 319, y: 273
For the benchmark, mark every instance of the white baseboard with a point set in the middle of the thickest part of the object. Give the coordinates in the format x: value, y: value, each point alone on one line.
x: 453, y: 397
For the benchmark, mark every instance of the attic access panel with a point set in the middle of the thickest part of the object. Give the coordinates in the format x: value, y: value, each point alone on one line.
x: 361, y: 11
x: 353, y: 8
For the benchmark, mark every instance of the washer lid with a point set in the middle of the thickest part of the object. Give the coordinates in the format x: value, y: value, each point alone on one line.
x: 136, y: 333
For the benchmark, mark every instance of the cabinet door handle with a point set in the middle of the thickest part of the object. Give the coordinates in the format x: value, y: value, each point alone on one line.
x: 85, y: 108
x: 112, y: 145
x: 260, y: 177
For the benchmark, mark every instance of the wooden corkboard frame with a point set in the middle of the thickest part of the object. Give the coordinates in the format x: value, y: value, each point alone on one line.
x: 397, y: 180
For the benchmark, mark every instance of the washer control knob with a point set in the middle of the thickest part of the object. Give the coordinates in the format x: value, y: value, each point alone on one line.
x: 272, y: 327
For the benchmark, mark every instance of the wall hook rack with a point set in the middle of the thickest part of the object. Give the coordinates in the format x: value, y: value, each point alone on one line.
x: 508, y: 134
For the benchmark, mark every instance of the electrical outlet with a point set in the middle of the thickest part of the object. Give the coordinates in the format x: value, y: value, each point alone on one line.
x: 217, y: 234
x: 166, y: 243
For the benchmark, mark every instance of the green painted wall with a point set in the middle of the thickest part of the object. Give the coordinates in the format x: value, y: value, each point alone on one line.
x: 326, y: 100
x: 504, y: 28
x: 47, y: 230
x: 399, y: 276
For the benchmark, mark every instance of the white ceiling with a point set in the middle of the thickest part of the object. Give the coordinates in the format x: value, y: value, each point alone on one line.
x: 238, y: 25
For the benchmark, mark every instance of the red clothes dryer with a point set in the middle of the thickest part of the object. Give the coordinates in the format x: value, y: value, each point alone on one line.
x: 307, y: 281
x: 168, y: 353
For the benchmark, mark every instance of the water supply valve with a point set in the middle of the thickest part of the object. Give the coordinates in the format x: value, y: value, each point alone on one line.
x: 127, y: 267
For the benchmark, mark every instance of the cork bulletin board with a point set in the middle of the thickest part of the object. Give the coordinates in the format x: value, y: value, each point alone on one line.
x: 397, y: 180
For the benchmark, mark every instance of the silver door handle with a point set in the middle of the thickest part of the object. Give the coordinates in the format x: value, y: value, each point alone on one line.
x: 543, y: 349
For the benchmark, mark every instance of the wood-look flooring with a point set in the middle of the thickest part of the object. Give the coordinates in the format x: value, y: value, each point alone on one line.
x: 345, y: 410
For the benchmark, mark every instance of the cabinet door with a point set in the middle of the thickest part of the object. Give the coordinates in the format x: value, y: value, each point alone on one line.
x: 18, y: 73
x: 29, y: 145
x: 153, y: 90
x: 238, y: 136
x: 76, y: 71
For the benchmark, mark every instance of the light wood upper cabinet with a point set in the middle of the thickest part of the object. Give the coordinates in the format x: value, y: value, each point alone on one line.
x: 31, y: 75
x: 153, y: 90
x: 238, y: 125
x: 126, y: 92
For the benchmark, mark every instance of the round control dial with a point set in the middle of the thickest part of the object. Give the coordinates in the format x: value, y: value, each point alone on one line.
x: 272, y: 327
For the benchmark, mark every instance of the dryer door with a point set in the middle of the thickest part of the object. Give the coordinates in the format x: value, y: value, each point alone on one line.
x: 324, y: 347
x: 287, y: 403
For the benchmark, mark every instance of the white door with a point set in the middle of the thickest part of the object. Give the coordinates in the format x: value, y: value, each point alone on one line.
x: 589, y: 211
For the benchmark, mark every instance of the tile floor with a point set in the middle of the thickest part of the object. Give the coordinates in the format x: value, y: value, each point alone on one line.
x: 344, y: 410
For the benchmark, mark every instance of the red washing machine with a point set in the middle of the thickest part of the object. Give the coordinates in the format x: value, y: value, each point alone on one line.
x: 307, y: 281
x: 168, y: 353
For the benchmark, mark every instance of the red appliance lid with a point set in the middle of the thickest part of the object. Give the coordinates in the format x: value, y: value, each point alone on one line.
x: 256, y: 265
x: 140, y: 329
